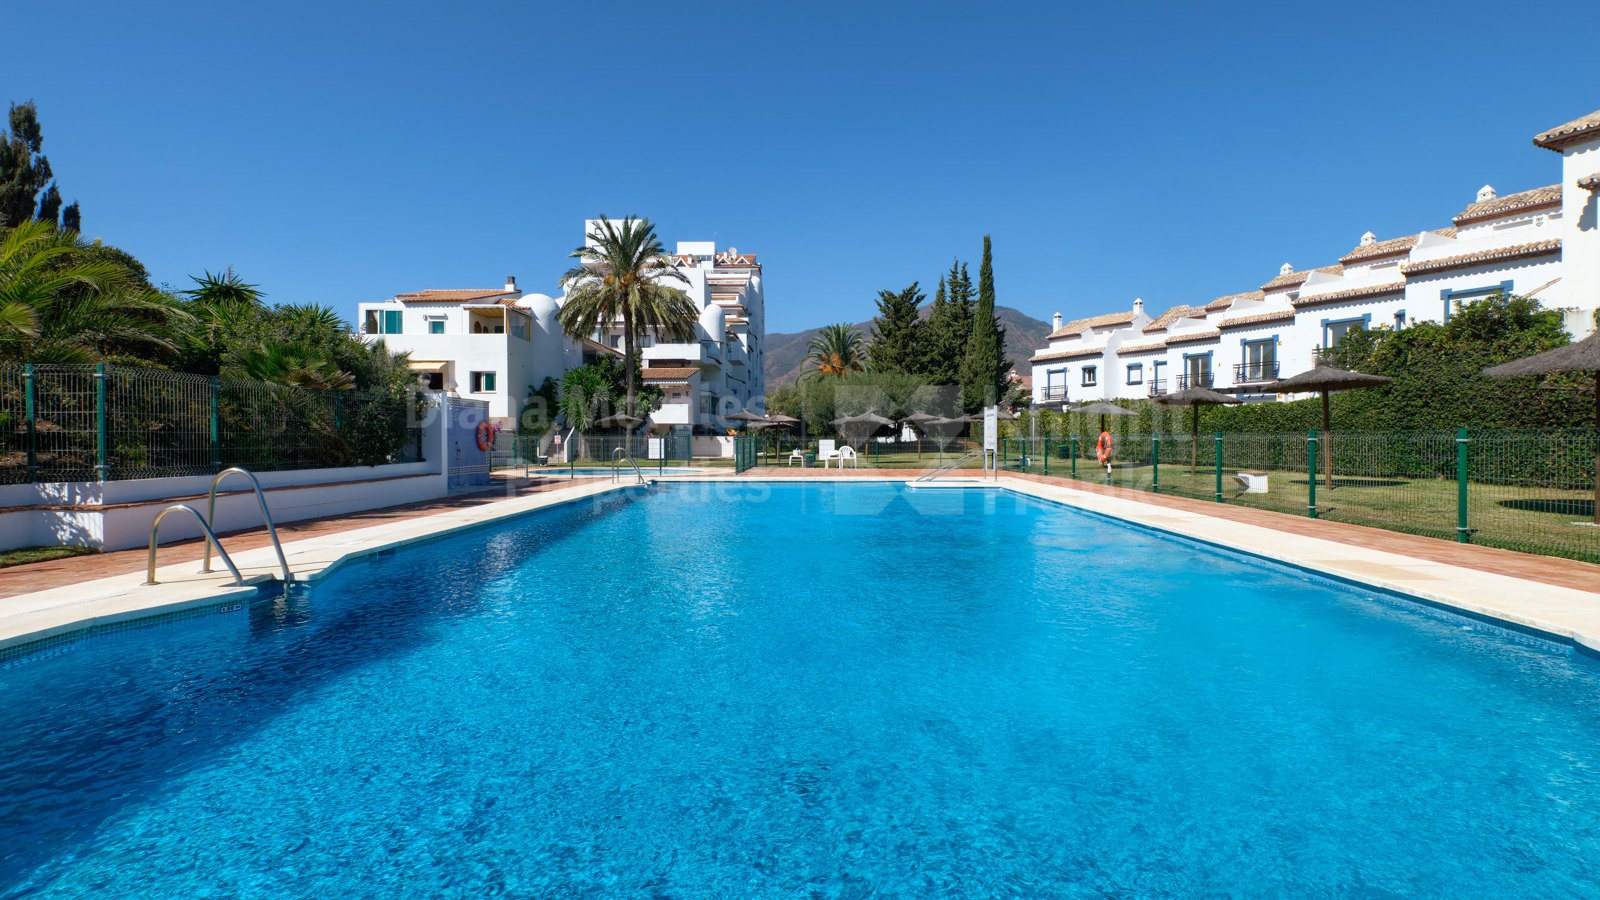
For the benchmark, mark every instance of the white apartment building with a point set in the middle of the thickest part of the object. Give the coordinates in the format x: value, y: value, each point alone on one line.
x: 497, y: 344
x: 1543, y: 242
x: 721, y: 371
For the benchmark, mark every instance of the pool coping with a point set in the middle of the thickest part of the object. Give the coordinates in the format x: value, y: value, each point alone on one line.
x: 1566, y: 615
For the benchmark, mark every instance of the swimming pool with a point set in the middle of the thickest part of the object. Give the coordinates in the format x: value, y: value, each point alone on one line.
x: 779, y: 689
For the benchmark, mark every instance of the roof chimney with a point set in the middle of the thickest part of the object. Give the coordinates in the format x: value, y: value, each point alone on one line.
x: 1486, y: 193
x: 1368, y: 239
x: 511, y: 283
x: 1138, y: 306
x: 1055, y: 322
x: 1285, y: 269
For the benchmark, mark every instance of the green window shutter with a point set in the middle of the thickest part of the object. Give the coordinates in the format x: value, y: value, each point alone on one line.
x: 488, y: 381
x: 391, y: 321
x: 436, y: 327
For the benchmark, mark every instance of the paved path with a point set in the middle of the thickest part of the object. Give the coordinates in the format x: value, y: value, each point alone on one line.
x: 40, y: 576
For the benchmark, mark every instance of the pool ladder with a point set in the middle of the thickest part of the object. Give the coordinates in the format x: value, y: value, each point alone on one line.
x: 970, y: 454
x: 211, y: 536
x: 616, y: 465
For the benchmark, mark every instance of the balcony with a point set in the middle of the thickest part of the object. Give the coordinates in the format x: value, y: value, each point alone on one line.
x: 1194, y: 379
x: 1158, y: 387
x: 1255, y: 373
x: 1056, y: 393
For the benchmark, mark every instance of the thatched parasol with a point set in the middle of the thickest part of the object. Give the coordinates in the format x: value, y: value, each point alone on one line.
x: 1325, y: 379
x: 1194, y: 398
x: 866, y: 424
x: 745, y: 415
x: 1102, y: 409
x: 1583, y: 356
x: 620, y: 420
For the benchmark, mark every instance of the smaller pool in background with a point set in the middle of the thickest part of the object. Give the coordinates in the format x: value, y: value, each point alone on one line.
x: 597, y: 471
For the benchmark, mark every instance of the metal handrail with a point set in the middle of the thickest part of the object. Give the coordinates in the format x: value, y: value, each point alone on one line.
x: 616, y: 465
x: 211, y: 536
x: 949, y: 465
x: 272, y: 528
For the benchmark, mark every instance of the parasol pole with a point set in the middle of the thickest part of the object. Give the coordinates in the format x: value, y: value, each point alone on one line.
x: 1327, y: 440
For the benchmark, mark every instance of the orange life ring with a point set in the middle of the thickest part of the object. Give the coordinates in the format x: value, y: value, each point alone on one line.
x: 1102, y: 449
x: 485, y: 435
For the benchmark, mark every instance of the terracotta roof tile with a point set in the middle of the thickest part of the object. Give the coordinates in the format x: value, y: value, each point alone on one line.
x: 1057, y: 355
x: 1077, y: 326
x: 453, y: 296
x: 1146, y: 347
x: 681, y: 373
x: 1293, y: 278
x: 1280, y: 315
x: 1549, y: 195
x: 1380, y: 249
x: 1517, y: 251
x: 1174, y: 314
x: 1566, y: 133
x: 1446, y: 232
x: 1375, y: 290
x: 1209, y: 334
x: 1590, y: 182
x: 1225, y: 302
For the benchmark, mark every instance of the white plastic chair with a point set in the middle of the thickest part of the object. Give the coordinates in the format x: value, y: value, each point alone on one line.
x: 825, y: 452
x: 797, y: 454
x: 848, y: 454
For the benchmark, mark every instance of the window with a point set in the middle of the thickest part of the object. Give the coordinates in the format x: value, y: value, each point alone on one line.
x: 383, y: 321
x: 1136, y: 373
x: 482, y: 382
x: 1055, y: 384
x: 436, y: 325
x: 1260, y: 360
x: 1197, y: 368
x: 1089, y: 376
x: 1399, y: 320
x: 1333, y: 332
x: 435, y: 381
x: 1452, y: 298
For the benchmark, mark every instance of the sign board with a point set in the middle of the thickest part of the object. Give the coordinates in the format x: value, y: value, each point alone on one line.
x: 991, y: 427
x: 655, y: 451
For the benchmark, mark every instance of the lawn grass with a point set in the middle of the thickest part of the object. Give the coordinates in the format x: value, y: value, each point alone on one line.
x: 25, y: 555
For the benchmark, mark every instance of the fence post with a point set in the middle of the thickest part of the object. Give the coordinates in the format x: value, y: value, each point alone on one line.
x: 1074, y: 454
x: 30, y: 410
x: 1463, y: 533
x: 216, y: 424
x: 101, y: 469
x: 1046, y: 448
x: 1219, y: 467
x: 1311, y: 474
x: 1155, y: 463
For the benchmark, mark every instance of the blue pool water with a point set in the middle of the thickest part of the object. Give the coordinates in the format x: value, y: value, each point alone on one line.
x: 805, y: 690
x: 648, y: 469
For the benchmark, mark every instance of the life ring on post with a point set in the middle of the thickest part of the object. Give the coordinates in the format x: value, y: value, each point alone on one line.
x: 485, y: 435
x: 1102, y: 449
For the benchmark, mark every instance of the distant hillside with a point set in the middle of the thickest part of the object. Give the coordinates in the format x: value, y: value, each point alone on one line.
x: 786, y: 352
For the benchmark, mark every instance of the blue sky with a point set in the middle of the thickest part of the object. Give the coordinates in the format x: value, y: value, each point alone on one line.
x: 339, y: 152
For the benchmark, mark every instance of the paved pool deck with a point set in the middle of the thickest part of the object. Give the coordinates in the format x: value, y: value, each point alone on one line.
x: 1557, y: 597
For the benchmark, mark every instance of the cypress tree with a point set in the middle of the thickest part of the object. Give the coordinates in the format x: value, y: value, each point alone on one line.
x: 984, y: 368
x: 897, y: 332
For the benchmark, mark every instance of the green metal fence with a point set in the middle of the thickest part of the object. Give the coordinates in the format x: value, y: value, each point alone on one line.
x: 1528, y: 491
x: 109, y: 422
x: 746, y: 452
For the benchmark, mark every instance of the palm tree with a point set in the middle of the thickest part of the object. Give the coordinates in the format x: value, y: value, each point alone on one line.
x: 585, y: 395
x: 618, y: 277
x: 836, y: 350
x: 56, y: 306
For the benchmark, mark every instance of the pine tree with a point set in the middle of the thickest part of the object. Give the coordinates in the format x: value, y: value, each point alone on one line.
x: 897, y: 332
x: 27, y: 190
x: 984, y: 367
x: 949, y: 327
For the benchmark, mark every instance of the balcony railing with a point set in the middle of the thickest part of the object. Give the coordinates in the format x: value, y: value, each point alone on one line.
x: 1158, y: 387
x: 1198, y: 379
x: 1255, y: 373
x: 1054, y: 394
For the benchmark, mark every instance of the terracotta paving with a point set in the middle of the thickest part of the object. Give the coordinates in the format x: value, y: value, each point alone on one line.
x: 1566, y: 573
x: 56, y: 573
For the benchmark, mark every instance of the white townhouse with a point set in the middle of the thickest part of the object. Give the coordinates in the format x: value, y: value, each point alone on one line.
x: 488, y: 344
x: 497, y: 344
x: 1543, y: 242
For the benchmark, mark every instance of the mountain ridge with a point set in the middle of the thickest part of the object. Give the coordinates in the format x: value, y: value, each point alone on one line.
x: 786, y: 351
